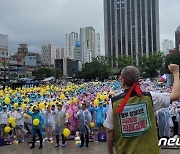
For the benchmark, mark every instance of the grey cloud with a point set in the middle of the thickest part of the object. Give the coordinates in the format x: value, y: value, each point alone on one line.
x: 37, y: 22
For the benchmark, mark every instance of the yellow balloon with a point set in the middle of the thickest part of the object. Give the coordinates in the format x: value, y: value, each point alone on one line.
x: 27, y: 100
x: 7, y: 100
x: 102, y: 97
x: 23, y: 106
x: 77, y: 142
x: 13, y: 124
x: 11, y: 120
x: 69, y: 102
x: 27, y: 116
x: 96, y: 102
x: 36, y: 122
x: 7, y: 129
x: 75, y: 100
x: 15, y: 105
x: 92, y: 124
x: 31, y: 108
x: 56, y: 89
x: 7, y: 95
x: 67, y: 115
x: 66, y: 132
x: 62, y: 96
x: 1, y: 94
x: 52, y: 103
x: 98, y: 94
x: 41, y: 106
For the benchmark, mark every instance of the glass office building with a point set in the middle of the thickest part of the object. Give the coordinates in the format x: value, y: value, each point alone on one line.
x: 131, y: 28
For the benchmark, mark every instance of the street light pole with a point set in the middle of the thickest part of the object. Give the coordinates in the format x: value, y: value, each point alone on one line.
x: 4, y: 69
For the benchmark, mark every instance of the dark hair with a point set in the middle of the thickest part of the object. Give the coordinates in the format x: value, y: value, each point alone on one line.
x: 34, y: 109
x: 59, y: 104
x: 84, y: 104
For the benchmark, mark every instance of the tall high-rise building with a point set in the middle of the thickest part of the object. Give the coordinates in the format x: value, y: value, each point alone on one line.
x: 3, y: 55
x: 71, y: 40
x: 78, y: 52
x: 22, y: 50
x: 131, y: 28
x: 63, y: 53
x: 60, y: 53
x: 97, y: 45
x: 167, y: 45
x: 87, y: 41
x: 21, y: 53
x: 48, y: 54
x: 177, y: 38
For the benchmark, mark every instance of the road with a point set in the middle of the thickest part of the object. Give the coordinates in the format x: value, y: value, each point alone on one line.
x: 71, y: 148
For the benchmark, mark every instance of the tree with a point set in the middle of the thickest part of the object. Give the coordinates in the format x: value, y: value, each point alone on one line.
x: 149, y: 66
x: 43, y: 73
x: 172, y: 59
x: 58, y: 72
x: 124, y: 60
x: 98, y: 68
x: 13, y: 76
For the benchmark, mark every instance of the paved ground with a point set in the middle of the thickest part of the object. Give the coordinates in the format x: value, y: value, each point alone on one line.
x: 71, y: 148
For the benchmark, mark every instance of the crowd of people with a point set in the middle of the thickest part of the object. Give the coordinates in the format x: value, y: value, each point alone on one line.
x: 77, y: 107
x: 70, y: 111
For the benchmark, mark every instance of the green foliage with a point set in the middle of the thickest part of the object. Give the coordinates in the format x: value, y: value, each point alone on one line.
x: 149, y: 66
x: 98, y: 68
x: 58, y: 73
x: 124, y: 61
x: 13, y: 76
x: 43, y: 73
x: 172, y: 59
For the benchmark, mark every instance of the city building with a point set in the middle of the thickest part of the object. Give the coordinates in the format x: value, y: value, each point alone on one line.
x: 60, y: 53
x: 97, y: 45
x: 69, y: 67
x: 22, y: 50
x: 21, y: 54
x: 131, y: 28
x: 71, y: 40
x: 177, y: 38
x: 48, y: 55
x: 3, y: 56
x: 30, y: 61
x: 16, y: 70
x: 167, y: 45
x: 87, y: 41
x: 63, y: 53
x: 38, y: 57
x: 78, y: 54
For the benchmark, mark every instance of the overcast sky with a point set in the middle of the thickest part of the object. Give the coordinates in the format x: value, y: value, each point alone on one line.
x: 38, y: 22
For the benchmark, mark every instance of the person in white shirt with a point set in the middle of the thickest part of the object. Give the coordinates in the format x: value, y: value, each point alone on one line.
x: 60, y: 119
x: 4, y: 122
x: 12, y: 113
x: 85, y: 118
x: 129, y: 78
x: 175, y: 118
x: 49, y: 124
x: 19, y: 123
